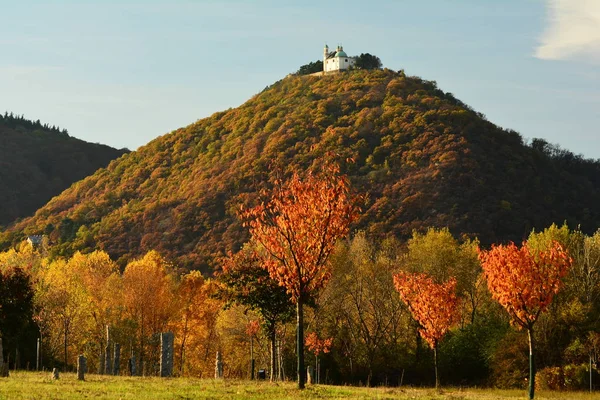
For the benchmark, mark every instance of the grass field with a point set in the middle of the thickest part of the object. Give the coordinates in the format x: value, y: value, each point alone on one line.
x: 33, y: 385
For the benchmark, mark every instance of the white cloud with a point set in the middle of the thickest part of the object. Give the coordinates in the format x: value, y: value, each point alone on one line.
x: 573, y: 31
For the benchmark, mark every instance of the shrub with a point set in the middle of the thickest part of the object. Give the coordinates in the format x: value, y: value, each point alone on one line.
x: 550, y: 378
x: 569, y: 377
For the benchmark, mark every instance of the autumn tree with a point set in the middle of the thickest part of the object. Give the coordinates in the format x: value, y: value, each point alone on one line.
x: 102, y: 283
x: 441, y: 256
x: 244, y: 281
x: 148, y: 288
x: 194, y: 328
x: 433, y: 305
x: 61, y: 302
x: 361, y: 308
x: 318, y: 346
x: 298, y: 227
x: 252, y: 329
x: 524, y: 281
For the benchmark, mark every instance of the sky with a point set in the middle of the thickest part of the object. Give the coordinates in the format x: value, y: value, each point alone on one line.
x: 125, y: 72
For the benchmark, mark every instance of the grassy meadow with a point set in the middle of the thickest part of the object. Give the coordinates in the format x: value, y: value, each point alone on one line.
x: 34, y: 385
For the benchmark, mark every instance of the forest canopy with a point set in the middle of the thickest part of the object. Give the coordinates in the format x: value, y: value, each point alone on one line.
x: 39, y: 161
x: 423, y: 158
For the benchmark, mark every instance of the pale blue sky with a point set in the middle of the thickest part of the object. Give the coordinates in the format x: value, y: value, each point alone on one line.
x: 125, y: 72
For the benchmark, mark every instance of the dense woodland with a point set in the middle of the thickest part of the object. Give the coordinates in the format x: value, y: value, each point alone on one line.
x: 371, y: 336
x: 39, y: 161
x: 423, y: 158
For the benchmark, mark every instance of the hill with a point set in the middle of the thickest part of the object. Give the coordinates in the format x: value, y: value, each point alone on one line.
x: 37, y: 162
x: 424, y: 158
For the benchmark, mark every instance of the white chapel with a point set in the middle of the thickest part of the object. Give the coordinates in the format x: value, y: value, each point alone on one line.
x: 336, y: 60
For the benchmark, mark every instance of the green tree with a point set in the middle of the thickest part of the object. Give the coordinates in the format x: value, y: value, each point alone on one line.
x: 246, y: 282
x: 17, y: 328
x: 310, y: 68
x: 362, y: 309
x: 440, y: 255
x: 367, y: 61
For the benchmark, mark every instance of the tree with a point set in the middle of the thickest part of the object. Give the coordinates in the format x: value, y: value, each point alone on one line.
x: 438, y: 254
x: 524, y: 281
x: 252, y: 329
x: 367, y: 61
x: 310, y: 68
x: 298, y: 228
x: 317, y: 346
x: 361, y: 308
x: 244, y: 281
x: 433, y: 305
x: 195, y: 332
x: 17, y: 329
x: 102, y: 283
x: 148, y: 297
x: 62, y: 304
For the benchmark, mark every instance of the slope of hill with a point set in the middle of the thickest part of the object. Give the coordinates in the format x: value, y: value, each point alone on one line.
x: 38, y: 162
x: 424, y: 158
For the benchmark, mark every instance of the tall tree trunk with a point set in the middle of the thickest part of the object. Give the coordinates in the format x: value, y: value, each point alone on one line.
x: 141, y: 362
x: 300, y: 344
x: 273, y: 352
x: 435, y: 363
x: 182, y: 348
x: 531, y: 363
x: 251, y: 358
x: 280, y: 371
x: 66, y: 340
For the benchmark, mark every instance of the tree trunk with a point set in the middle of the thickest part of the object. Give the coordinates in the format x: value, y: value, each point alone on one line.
x: 273, y: 353
x: 435, y: 363
x: 280, y: 371
x: 141, y: 362
x: 66, y: 345
x: 300, y: 344
x: 251, y: 358
x: 531, y: 364
x: 182, y: 348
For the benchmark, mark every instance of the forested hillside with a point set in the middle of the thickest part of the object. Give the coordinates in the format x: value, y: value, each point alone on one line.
x: 423, y: 158
x: 38, y: 161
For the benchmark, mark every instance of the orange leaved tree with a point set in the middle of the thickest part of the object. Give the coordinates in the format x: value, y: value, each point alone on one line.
x: 252, y: 329
x: 433, y: 305
x: 524, y: 281
x: 298, y: 227
x: 317, y: 346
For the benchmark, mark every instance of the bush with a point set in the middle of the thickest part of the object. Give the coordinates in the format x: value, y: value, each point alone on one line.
x: 569, y: 377
x: 510, y: 362
x: 550, y: 378
x: 576, y: 376
x: 310, y: 68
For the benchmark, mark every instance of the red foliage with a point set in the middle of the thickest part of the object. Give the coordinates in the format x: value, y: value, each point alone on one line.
x: 317, y: 345
x: 433, y: 305
x: 524, y: 281
x: 299, y: 227
x: 252, y: 328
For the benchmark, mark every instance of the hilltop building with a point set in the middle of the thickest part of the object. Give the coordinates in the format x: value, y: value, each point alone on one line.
x: 337, y: 60
x: 36, y: 241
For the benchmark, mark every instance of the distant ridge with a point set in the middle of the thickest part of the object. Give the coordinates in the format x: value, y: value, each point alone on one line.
x: 39, y: 161
x: 424, y: 158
